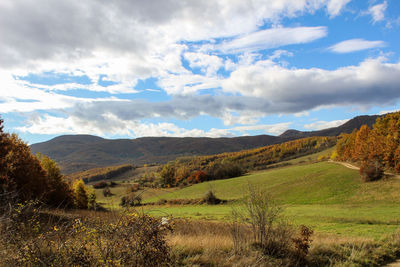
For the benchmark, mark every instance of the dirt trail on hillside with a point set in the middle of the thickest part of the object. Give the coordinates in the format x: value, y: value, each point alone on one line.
x: 353, y: 167
x: 394, y: 264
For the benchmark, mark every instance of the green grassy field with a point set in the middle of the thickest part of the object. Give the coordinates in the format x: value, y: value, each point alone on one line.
x: 326, y: 196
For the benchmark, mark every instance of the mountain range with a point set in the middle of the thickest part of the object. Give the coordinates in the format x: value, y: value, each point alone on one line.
x: 76, y: 153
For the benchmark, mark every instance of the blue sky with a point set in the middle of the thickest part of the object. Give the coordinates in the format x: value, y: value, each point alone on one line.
x: 127, y: 69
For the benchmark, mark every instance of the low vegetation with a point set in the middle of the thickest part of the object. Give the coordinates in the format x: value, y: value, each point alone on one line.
x: 100, y: 174
x: 34, y: 237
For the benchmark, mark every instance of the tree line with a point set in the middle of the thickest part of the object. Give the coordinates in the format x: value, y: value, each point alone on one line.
x: 375, y: 150
x: 190, y: 170
x: 24, y: 176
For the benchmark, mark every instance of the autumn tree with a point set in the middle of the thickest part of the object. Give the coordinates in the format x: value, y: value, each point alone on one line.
x: 374, y: 149
x: 167, y: 174
x: 80, y: 194
x: 20, y: 171
x: 60, y: 192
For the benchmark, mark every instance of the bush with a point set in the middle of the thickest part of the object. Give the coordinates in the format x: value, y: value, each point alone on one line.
x: 29, y: 239
x: 371, y: 171
x: 211, y: 199
x: 132, y: 188
x: 107, y: 192
x: 131, y: 200
x: 100, y: 185
x: 271, y: 234
x: 224, y: 170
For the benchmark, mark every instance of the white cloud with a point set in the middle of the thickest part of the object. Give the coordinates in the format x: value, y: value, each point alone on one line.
x: 275, y: 129
x: 184, y: 84
x: 378, y: 12
x: 112, y: 125
x: 373, y: 82
x: 273, y: 38
x: 336, y: 6
x: 388, y: 111
x: 320, y: 125
x: 280, y: 53
x: 20, y: 96
x: 353, y: 45
x: 209, y: 64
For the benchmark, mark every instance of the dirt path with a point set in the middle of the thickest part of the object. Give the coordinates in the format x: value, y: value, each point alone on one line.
x: 353, y: 167
x: 394, y: 264
x: 348, y: 165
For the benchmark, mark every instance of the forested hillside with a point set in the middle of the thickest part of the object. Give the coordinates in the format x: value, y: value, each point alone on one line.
x: 83, y: 152
x: 203, y: 168
x: 375, y: 149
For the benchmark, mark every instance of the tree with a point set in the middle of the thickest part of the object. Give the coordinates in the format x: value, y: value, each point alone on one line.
x: 80, y: 194
x: 60, y: 192
x: 167, y: 174
x: 20, y: 171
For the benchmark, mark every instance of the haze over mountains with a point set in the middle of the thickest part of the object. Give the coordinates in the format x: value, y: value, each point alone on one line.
x: 81, y: 152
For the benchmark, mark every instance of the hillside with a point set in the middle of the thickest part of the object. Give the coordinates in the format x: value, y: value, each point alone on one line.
x: 326, y: 196
x: 347, y: 127
x: 82, y: 152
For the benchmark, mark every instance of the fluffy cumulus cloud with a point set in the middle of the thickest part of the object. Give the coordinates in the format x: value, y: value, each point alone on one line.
x: 372, y: 82
x: 355, y: 45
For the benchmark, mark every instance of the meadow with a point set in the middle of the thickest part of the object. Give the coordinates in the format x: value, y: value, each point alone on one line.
x: 326, y: 196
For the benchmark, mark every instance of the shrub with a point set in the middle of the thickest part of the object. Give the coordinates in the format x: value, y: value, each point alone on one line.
x: 107, y: 192
x: 198, y: 177
x: 132, y: 188
x: 302, y: 244
x: 210, y: 198
x: 271, y: 234
x: 129, y: 240
x: 371, y: 171
x: 100, y: 185
x: 131, y: 200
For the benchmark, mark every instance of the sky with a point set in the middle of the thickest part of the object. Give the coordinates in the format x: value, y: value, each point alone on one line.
x: 215, y: 68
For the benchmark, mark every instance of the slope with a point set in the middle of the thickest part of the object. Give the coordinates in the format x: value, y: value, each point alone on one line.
x: 326, y: 196
x: 81, y: 152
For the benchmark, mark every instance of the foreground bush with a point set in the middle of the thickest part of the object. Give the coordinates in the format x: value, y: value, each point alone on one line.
x: 28, y: 238
x: 270, y: 233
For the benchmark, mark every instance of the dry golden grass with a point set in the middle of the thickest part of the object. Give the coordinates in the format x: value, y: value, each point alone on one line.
x: 201, y: 242
x: 201, y: 235
x: 331, y: 239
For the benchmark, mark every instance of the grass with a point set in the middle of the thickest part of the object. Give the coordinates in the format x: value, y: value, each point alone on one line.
x: 306, y: 184
x: 328, y: 197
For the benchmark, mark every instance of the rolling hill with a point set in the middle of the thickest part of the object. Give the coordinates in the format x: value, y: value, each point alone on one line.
x: 82, y: 152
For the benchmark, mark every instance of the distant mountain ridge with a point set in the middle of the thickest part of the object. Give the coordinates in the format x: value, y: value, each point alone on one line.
x: 347, y: 127
x: 82, y: 152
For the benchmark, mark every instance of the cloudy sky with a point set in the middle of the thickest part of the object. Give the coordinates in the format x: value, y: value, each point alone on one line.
x: 132, y: 68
